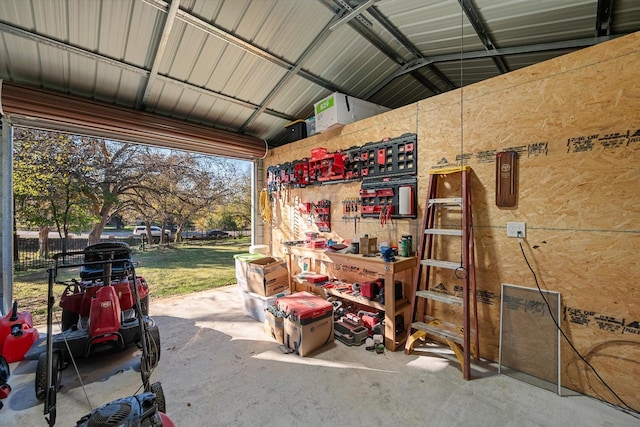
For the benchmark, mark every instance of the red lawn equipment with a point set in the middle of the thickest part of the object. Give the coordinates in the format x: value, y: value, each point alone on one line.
x: 17, y: 334
x: 101, y: 312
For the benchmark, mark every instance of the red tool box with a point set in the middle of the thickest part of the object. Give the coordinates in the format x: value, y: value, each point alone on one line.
x: 308, y: 323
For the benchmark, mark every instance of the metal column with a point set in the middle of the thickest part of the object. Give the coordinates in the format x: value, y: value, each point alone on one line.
x: 6, y: 215
x: 257, y: 181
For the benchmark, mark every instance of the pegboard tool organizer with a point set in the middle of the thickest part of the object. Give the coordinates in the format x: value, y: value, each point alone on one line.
x: 322, y: 210
x: 394, y: 194
x: 325, y: 167
x: 386, y: 158
x: 389, y: 157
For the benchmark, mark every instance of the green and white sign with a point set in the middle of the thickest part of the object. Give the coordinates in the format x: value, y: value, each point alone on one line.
x: 325, y: 104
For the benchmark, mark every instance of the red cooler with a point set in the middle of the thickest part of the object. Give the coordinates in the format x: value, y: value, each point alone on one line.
x: 309, y: 321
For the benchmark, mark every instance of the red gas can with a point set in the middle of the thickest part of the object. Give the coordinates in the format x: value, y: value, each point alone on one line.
x: 17, y: 334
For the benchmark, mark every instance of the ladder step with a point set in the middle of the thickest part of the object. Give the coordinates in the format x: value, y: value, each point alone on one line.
x: 444, y: 231
x: 442, y: 264
x: 437, y: 296
x: 439, y: 332
x: 443, y: 324
x: 448, y: 201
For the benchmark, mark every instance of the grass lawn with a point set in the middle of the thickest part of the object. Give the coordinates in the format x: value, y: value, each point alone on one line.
x: 175, y: 269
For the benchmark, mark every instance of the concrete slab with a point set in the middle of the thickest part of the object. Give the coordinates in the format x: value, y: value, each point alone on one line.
x: 219, y: 368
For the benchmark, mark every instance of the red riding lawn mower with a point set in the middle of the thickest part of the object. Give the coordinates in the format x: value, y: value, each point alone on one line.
x: 106, y: 310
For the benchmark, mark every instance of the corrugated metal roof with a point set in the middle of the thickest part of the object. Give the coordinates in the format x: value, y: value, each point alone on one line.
x: 252, y: 66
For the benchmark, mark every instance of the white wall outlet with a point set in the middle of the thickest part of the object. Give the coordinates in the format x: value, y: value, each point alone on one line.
x: 516, y: 229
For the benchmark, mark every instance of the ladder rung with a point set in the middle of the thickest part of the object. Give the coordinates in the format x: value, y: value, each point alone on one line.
x: 437, y: 296
x: 444, y: 231
x: 442, y: 264
x: 439, y: 332
x: 442, y: 323
x: 454, y: 201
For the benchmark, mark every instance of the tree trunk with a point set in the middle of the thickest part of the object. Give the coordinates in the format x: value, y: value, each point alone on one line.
x: 43, y: 241
x: 98, y: 228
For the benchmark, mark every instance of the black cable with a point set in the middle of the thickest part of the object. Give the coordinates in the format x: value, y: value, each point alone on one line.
x: 535, y: 278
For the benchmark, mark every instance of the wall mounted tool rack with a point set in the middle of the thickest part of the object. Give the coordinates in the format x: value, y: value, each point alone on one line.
x: 381, y: 194
x: 382, y: 159
x: 322, y: 209
x: 325, y: 167
x: 389, y: 157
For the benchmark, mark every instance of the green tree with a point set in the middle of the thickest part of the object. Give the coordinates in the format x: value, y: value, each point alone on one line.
x: 49, y: 185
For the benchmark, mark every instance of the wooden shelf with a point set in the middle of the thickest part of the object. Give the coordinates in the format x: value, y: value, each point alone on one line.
x: 359, y: 299
x: 402, y: 267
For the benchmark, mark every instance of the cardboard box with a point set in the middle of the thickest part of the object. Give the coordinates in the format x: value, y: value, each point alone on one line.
x: 274, y: 326
x: 368, y: 245
x: 255, y: 305
x: 305, y: 339
x: 242, y: 261
x: 340, y: 109
x: 267, y: 276
x: 309, y: 322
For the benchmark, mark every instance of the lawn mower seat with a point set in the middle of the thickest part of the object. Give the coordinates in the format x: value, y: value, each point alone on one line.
x: 120, y: 252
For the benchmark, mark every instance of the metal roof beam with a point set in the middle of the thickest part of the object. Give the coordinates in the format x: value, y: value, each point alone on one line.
x: 372, y: 38
x: 541, y: 47
x: 313, y: 46
x: 353, y: 14
x: 162, y: 45
x: 477, y: 23
x: 406, y: 43
x: 604, y: 17
x: 240, y: 43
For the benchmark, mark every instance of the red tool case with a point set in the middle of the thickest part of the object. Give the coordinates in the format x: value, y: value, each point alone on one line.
x: 304, y: 307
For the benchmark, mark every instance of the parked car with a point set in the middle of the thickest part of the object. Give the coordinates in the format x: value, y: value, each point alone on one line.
x: 217, y: 234
x: 141, y: 230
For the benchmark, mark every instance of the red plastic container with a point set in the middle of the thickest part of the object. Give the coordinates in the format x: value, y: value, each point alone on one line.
x: 17, y: 334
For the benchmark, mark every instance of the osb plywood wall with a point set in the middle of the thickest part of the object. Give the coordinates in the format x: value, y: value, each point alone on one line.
x: 575, y: 122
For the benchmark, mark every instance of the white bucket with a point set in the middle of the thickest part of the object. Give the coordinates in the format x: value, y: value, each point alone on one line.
x: 259, y: 249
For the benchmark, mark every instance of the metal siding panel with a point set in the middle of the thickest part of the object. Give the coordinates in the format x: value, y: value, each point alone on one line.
x: 185, y: 55
x: 288, y: 27
x: 626, y: 16
x: 257, y: 78
x: 114, y: 26
x: 166, y: 100
x: 267, y: 127
x: 84, y: 23
x: 231, y: 14
x: 524, y: 60
x: 147, y: 23
x: 20, y: 54
x: 521, y: 23
x: 18, y: 12
x: 210, y: 56
x: 127, y: 90
x: 473, y: 71
x: 205, y: 9
x: 297, y: 97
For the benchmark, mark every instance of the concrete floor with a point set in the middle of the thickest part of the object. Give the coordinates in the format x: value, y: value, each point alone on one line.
x: 219, y: 368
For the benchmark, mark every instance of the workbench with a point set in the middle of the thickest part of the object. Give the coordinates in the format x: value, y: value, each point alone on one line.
x: 358, y: 268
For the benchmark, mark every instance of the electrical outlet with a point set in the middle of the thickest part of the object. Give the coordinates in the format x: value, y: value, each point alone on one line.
x: 516, y: 229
